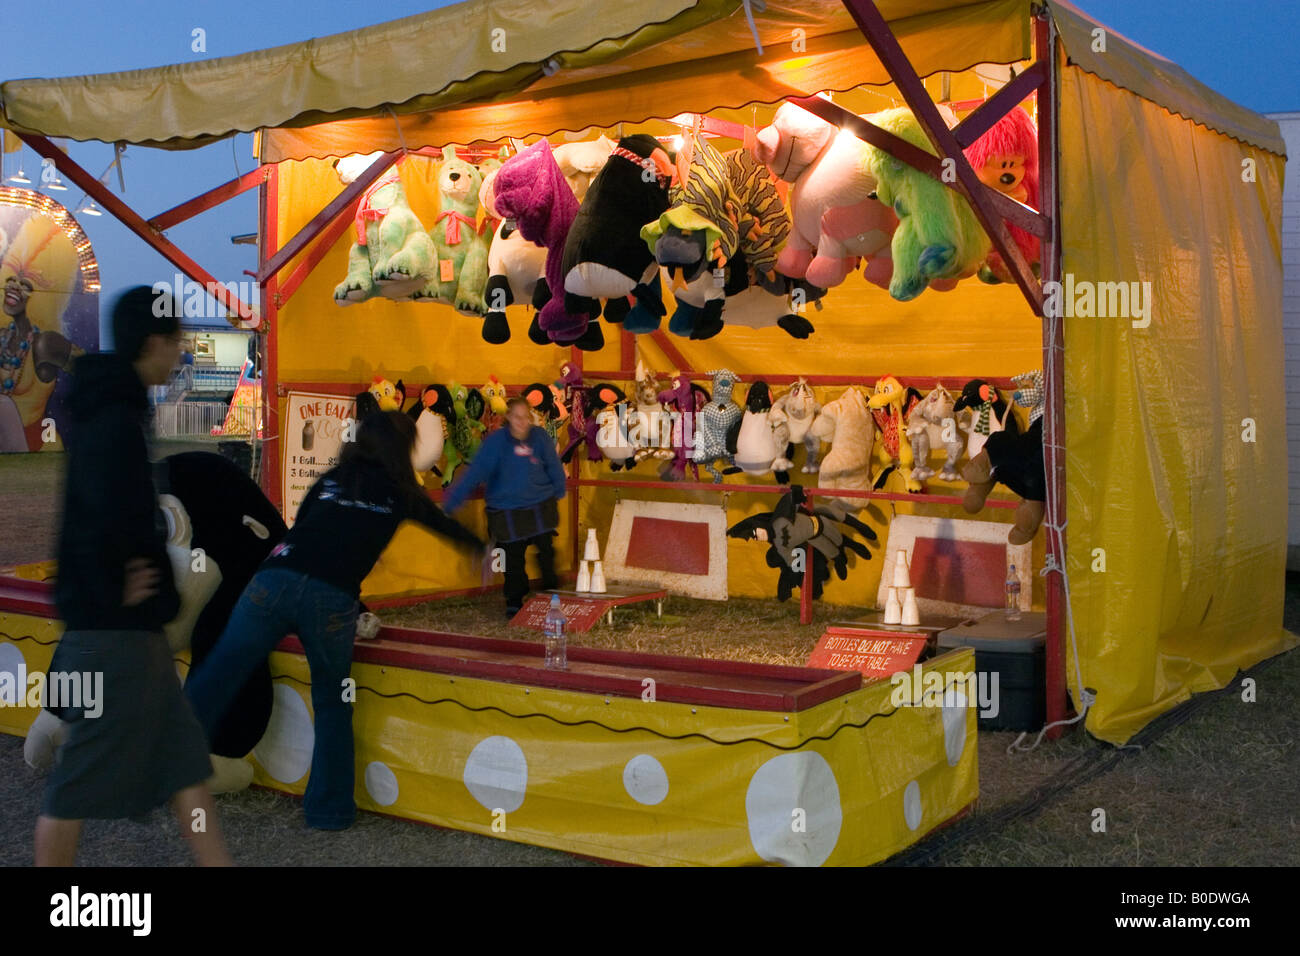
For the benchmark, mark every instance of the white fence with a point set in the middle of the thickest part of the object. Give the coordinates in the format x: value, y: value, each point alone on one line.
x: 190, y: 418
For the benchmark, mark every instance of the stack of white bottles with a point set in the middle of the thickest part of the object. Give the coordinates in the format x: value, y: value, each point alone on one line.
x: 900, y: 604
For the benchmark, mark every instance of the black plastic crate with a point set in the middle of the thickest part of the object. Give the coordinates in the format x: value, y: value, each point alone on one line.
x: 1016, y: 652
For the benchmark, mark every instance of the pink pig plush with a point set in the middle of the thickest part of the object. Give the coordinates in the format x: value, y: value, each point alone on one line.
x: 835, y: 219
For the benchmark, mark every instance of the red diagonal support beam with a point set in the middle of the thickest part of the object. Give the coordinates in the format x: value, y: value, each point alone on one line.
x: 213, y: 197
x: 109, y: 200
x: 670, y: 351
x: 318, y: 251
x: 999, y: 104
x: 885, y: 44
x: 1006, y: 207
x: 342, y: 201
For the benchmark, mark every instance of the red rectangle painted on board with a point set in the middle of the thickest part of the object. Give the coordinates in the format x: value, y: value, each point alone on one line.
x: 960, y: 572
x: 660, y: 544
x: 873, y: 653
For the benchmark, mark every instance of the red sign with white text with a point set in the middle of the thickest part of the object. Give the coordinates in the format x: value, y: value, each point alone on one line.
x: 874, y: 653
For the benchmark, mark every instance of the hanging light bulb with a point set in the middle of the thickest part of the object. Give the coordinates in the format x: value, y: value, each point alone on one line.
x: 88, y: 208
x: 20, y: 177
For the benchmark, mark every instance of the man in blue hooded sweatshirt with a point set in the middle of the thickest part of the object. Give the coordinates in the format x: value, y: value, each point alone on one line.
x: 524, y: 481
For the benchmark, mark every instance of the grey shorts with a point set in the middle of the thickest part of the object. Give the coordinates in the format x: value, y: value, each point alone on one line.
x: 144, y: 745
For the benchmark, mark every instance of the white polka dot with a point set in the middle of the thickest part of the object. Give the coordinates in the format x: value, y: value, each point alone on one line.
x: 954, y: 727
x: 912, y: 811
x: 645, y: 780
x: 794, y: 782
x: 381, y: 783
x: 13, y: 689
x: 285, y: 748
x: 496, y: 774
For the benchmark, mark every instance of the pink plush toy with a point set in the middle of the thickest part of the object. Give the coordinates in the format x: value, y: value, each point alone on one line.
x: 530, y: 189
x: 836, y: 220
x: 1006, y: 159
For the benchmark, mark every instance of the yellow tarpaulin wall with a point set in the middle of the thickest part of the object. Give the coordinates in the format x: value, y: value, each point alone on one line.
x: 1176, y: 433
x: 976, y: 330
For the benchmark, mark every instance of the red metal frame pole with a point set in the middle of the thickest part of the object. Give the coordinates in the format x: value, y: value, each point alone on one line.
x: 1054, y: 370
x: 269, y: 200
x: 575, y: 471
x: 97, y: 191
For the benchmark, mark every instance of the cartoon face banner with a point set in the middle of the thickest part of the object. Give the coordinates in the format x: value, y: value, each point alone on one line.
x: 49, y: 315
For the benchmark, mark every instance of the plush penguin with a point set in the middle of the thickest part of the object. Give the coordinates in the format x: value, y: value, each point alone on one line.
x: 210, y: 505
x: 757, y: 442
x: 715, y: 420
x: 608, y: 426
x: 1015, y: 460
x: 430, y: 431
x: 604, y: 254
x: 988, y: 414
x: 548, y: 408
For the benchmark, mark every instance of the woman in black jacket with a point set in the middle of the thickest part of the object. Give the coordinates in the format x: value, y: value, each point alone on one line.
x: 311, y: 584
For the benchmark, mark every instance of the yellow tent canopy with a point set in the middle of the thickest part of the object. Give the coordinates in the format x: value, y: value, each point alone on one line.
x: 1175, y: 426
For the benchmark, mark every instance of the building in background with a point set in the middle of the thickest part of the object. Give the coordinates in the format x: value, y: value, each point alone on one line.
x: 1290, y: 123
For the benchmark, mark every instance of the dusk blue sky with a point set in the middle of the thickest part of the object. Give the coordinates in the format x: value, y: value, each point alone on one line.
x: 1245, y: 50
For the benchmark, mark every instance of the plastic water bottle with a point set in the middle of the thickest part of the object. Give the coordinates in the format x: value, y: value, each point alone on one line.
x: 557, y: 658
x: 1013, y: 594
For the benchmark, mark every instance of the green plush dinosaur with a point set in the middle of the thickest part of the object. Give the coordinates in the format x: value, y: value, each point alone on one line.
x: 461, y: 268
x: 392, y: 256
x: 465, y: 428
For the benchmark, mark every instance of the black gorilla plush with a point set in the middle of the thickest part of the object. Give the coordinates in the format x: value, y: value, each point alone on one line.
x: 227, y: 517
x: 796, y: 526
x: 236, y: 527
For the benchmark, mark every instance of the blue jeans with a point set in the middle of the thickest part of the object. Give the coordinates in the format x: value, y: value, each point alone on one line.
x: 276, y: 603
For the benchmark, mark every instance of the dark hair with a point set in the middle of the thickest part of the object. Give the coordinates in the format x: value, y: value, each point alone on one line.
x: 515, y: 400
x: 385, y: 439
x: 138, y: 313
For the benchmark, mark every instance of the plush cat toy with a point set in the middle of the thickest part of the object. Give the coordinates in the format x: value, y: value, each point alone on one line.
x: 847, y: 424
x: 798, y: 409
x: 462, y: 252
x: 827, y: 169
x: 604, y: 255
x: 683, y: 400
x: 392, y: 255
x: 987, y: 414
x: 715, y: 420
x: 1006, y: 159
x: 1015, y: 460
x: 209, y: 504
x: 938, y: 236
x: 531, y: 191
x: 932, y: 424
x: 760, y: 443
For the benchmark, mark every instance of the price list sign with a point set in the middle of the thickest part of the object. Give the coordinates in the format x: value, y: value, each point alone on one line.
x: 313, y: 437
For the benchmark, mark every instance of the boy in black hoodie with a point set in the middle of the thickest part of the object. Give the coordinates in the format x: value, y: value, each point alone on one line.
x: 115, y: 592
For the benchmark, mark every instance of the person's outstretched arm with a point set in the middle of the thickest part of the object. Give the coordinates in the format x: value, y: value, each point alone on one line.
x: 480, y: 470
x: 420, y: 508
